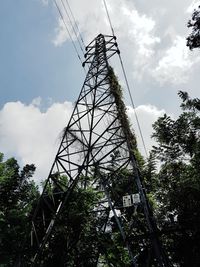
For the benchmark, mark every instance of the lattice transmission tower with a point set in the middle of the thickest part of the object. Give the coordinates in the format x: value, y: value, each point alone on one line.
x: 95, y: 169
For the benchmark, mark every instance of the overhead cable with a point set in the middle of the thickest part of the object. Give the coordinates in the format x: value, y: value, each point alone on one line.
x: 68, y: 31
x: 73, y: 28
x: 133, y: 105
x: 126, y: 81
x: 75, y: 23
x: 109, y: 20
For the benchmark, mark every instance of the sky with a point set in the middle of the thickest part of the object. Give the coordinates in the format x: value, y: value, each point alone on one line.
x: 41, y: 75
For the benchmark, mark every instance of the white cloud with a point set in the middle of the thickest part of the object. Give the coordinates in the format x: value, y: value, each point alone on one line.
x: 135, y: 31
x: 175, y: 65
x: 33, y: 136
x: 194, y: 5
x: 150, y: 37
x: 140, y: 30
x: 88, y: 14
x: 37, y: 101
x: 45, y: 2
x: 147, y: 115
x: 61, y: 33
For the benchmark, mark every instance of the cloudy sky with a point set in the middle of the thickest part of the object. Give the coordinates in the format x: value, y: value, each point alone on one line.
x: 41, y: 75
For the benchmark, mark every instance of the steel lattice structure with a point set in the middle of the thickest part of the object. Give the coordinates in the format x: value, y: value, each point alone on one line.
x: 96, y: 146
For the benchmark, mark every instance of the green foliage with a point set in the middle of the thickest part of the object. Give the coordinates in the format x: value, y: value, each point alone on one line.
x: 177, y: 185
x: 77, y: 239
x: 193, y: 40
x: 17, y: 196
x: 74, y: 241
x: 179, y: 139
x: 116, y: 91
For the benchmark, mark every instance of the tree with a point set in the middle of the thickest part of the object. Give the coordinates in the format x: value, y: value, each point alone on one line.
x: 76, y: 223
x: 79, y: 237
x: 193, y: 40
x: 17, y: 197
x: 177, y: 188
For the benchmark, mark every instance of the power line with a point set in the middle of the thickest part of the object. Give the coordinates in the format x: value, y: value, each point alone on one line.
x: 133, y: 105
x: 106, y: 8
x: 63, y: 20
x: 80, y: 45
x: 77, y: 27
x: 126, y: 81
x: 72, y: 25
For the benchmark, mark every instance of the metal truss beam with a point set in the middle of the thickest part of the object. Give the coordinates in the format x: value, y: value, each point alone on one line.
x: 98, y: 129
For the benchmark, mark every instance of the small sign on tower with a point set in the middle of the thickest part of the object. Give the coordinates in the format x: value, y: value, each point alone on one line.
x: 127, y: 201
x: 131, y: 200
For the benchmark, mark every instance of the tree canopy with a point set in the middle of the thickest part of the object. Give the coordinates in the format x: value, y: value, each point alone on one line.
x: 17, y: 196
x: 173, y: 192
x: 177, y: 184
x: 193, y: 40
